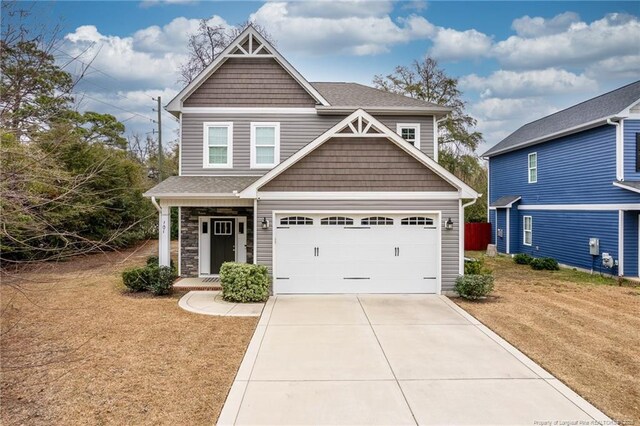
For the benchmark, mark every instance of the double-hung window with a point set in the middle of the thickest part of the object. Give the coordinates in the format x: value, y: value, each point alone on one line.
x: 533, y: 167
x: 410, y: 132
x: 265, y: 145
x: 218, y: 145
x: 527, y: 230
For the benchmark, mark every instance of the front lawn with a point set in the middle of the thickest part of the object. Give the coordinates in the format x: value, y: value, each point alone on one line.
x: 77, y: 349
x: 582, y: 328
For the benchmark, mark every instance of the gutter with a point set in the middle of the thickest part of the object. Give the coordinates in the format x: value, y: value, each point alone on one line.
x: 155, y: 204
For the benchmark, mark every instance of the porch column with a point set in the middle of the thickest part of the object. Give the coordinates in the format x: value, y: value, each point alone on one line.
x: 164, y: 236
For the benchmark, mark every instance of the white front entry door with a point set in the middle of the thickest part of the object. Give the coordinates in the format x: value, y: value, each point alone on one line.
x: 356, y: 253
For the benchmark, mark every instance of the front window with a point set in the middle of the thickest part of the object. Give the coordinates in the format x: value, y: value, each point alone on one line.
x: 218, y: 145
x: 410, y: 132
x: 265, y: 145
x: 533, y: 167
x: 528, y: 230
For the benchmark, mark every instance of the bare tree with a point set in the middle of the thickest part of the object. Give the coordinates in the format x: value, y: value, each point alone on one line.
x: 206, y: 44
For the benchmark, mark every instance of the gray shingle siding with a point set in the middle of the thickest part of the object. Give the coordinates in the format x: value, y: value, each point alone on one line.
x: 296, y: 131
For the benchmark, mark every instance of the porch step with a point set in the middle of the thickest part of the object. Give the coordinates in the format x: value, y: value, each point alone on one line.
x: 189, y: 284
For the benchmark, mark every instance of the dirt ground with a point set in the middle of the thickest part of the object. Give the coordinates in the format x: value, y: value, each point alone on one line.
x: 77, y: 349
x: 583, y: 329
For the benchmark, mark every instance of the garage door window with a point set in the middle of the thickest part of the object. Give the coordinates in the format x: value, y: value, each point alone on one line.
x: 417, y: 220
x: 336, y: 220
x: 377, y: 220
x: 296, y: 220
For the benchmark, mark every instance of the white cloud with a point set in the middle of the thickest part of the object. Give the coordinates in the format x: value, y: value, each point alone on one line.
x: 300, y: 26
x: 619, y: 67
x: 510, y: 84
x: 537, y: 26
x: 172, y: 37
x: 450, y: 44
x: 151, y: 3
x: 614, y: 35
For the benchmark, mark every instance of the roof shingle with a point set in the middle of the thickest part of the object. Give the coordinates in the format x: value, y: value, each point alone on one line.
x: 592, y: 110
x: 200, y: 185
x: 342, y: 94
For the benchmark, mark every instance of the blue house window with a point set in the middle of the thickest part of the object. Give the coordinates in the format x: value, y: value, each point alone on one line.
x: 533, y: 167
x: 527, y: 228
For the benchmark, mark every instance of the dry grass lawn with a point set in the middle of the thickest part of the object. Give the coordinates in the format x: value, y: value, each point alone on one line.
x: 77, y: 349
x: 583, y: 329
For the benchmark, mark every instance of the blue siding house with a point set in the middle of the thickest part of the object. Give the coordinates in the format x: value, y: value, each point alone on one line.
x: 567, y: 185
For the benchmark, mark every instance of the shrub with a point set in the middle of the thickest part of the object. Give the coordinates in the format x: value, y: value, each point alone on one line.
x: 244, y: 283
x: 475, y: 267
x: 522, y: 259
x: 161, y: 280
x: 153, y: 260
x: 134, y: 280
x: 544, y: 263
x: 474, y: 286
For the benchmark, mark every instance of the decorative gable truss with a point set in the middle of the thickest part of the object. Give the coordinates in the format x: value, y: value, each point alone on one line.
x: 250, y: 45
x: 360, y: 124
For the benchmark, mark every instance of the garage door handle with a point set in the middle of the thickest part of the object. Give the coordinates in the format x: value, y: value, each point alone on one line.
x: 397, y: 251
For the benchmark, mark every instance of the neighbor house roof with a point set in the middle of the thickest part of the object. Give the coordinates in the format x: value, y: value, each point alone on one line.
x: 505, y: 201
x: 590, y: 113
x: 200, y: 186
x: 355, y: 95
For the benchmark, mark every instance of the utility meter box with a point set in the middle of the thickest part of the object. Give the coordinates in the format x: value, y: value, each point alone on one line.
x: 594, y: 246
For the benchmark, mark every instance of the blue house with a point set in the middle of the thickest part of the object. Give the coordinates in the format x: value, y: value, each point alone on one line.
x: 567, y: 185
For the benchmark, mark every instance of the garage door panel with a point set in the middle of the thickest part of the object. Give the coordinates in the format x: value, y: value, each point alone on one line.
x: 343, y: 258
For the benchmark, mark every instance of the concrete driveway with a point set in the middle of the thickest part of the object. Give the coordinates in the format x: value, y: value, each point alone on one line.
x: 390, y: 359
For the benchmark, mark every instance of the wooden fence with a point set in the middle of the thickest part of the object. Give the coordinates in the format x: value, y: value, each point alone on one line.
x: 477, y: 236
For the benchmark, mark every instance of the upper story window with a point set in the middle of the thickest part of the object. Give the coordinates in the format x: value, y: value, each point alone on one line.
x: 265, y: 145
x: 410, y: 132
x: 533, y: 167
x: 218, y: 145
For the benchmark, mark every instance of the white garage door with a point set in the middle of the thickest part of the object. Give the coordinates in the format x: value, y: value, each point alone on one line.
x: 356, y: 253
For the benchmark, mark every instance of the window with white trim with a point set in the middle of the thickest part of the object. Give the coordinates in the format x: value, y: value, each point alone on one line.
x: 533, y: 167
x: 218, y: 145
x: 265, y: 145
x: 336, y: 220
x: 377, y: 220
x: 296, y: 220
x: 410, y: 132
x: 527, y: 230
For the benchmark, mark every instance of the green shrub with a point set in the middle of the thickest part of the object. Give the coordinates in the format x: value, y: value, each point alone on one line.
x: 156, y: 279
x: 161, y: 280
x: 522, y: 259
x: 544, y: 263
x: 153, y: 260
x: 134, y: 279
x: 244, y: 283
x: 475, y: 267
x: 474, y: 286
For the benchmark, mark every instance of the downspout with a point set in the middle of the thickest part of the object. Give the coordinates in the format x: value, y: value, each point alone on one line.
x: 155, y: 204
x: 461, y: 234
x: 619, y: 152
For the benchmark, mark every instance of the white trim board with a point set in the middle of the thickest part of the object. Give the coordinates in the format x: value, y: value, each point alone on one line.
x: 620, y: 243
x: 360, y: 116
x: 310, y: 195
x: 628, y: 188
x: 586, y: 207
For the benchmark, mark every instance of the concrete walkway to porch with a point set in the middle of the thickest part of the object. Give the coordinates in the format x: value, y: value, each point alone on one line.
x: 209, y: 302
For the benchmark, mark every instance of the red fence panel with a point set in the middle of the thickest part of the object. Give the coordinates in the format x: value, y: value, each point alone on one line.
x: 477, y: 236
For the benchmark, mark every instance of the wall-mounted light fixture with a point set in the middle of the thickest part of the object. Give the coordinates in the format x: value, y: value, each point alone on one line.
x: 265, y: 223
x: 448, y: 225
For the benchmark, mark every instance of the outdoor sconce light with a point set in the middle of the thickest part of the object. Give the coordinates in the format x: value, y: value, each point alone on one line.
x: 448, y: 225
x: 265, y: 223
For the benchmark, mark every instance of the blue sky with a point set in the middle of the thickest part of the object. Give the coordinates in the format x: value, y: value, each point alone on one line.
x: 516, y: 61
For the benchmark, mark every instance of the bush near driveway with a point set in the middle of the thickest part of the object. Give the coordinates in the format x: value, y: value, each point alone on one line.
x: 474, y: 287
x: 476, y: 267
x: 244, y: 283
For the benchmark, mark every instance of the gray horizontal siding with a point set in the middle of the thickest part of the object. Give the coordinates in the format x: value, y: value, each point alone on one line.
x: 449, y: 209
x: 296, y: 131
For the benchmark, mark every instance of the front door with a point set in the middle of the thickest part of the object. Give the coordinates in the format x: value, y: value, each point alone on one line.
x: 223, y: 240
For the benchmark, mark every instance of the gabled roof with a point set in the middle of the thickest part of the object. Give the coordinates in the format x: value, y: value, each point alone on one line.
x: 362, y: 124
x: 505, y: 201
x: 355, y: 95
x: 200, y: 186
x: 248, y: 38
x: 590, y: 113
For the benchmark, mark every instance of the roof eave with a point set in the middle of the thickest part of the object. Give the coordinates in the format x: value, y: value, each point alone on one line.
x: 391, y: 110
x: 194, y: 196
x: 586, y: 126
